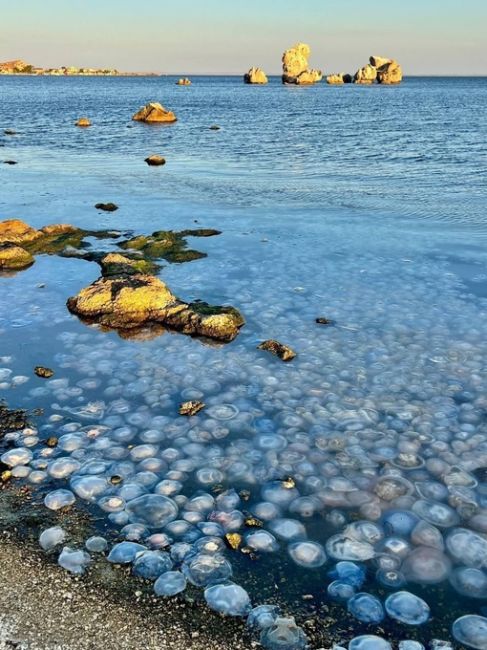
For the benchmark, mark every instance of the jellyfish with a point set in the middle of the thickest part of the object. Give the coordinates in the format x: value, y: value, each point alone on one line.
x: 262, y: 616
x: 203, y: 570
x: 340, y: 590
x: 467, y: 547
x: 471, y: 630
x: 349, y: 572
x: 469, y: 582
x: 288, y: 529
x: 426, y: 565
x: 170, y: 583
x: 228, y: 598
x: 74, y: 561
x: 262, y: 541
x: 58, y: 499
x: 52, y: 537
x: 96, y: 544
x: 340, y: 547
x: 366, y: 608
x: 307, y: 554
x: 284, y: 634
x: 151, y: 564
x: 125, y: 552
x: 405, y: 607
x: 369, y: 642
x: 154, y: 510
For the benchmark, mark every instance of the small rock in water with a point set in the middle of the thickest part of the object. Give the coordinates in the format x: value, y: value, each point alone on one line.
x: 214, y: 127
x: 42, y: 371
x: 83, y: 121
x: 191, y: 408
x: 10, y: 132
x: 471, y: 630
x: 323, y: 321
x: 52, y: 537
x: 155, y: 160
x: 282, y: 351
x: 74, y: 561
x: 228, y: 598
x: 233, y: 540
x: 283, y: 634
x: 170, y: 584
x: 106, y: 207
x: 10, y: 162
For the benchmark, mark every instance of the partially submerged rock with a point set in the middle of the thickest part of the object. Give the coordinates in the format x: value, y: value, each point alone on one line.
x: 191, y: 408
x: 42, y: 371
x: 10, y: 162
x: 14, y: 257
x: 167, y: 244
x: 132, y: 301
x: 12, y: 420
x: 115, y: 264
x: 184, y: 81
x: 366, y: 75
x: 106, y: 207
x: 155, y: 160
x: 255, y: 76
x: 284, y: 352
x: 154, y: 113
x: 16, y: 231
x: 322, y: 320
x: 339, y: 79
x: 295, y: 66
x: 388, y: 71
x: 83, y: 121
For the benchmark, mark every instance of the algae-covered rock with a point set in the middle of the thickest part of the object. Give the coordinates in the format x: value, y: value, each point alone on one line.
x: 255, y: 76
x: 42, y: 371
x: 154, y: 113
x: 14, y: 257
x: 132, y: 301
x: 115, y: 264
x: 12, y: 420
x: 167, y: 244
x: 284, y: 352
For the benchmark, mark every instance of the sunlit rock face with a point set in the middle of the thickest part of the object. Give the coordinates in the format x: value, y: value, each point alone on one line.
x: 366, y: 75
x: 154, y: 113
x: 295, y: 66
x: 388, y: 70
x: 255, y: 76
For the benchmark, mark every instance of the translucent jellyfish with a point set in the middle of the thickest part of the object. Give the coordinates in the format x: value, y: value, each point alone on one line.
x: 307, y: 554
x: 125, y: 552
x: 431, y: 490
x: 305, y: 506
x: 210, y: 545
x: 389, y: 488
x: 469, y: 582
x: 158, y: 540
x: 63, y: 467
x: 438, y: 514
x: 228, y: 500
x: 467, y: 547
x: 366, y: 608
x: 471, y: 630
x: 405, y: 607
x: 349, y: 572
x: 426, y: 565
x: 58, y: 499
x: 395, y: 546
x: 170, y: 583
x: 425, y: 534
x: 390, y: 578
x: 96, y: 544
x: 410, y: 645
x: 266, y: 511
x: 154, y: 510
x: 340, y: 547
x: 203, y: 570
x: 52, y: 537
x: 340, y: 590
x: 364, y: 531
x: 262, y: 617
x: 283, y: 634
x: 399, y: 522
x: 74, y: 561
x: 89, y: 487
x: 262, y: 541
x: 211, y: 528
x: 18, y: 456
x: 288, y: 529
x: 134, y: 532
x: 112, y: 504
x: 228, y: 599
x: 369, y: 642
x: 277, y: 493
x: 151, y: 564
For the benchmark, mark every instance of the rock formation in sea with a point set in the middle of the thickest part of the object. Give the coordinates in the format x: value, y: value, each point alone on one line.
x: 339, y: 78
x: 388, y: 70
x: 255, y: 76
x: 366, y: 75
x: 295, y: 66
x: 184, y: 81
x: 154, y: 113
x: 378, y: 70
x: 83, y: 121
x: 14, y: 257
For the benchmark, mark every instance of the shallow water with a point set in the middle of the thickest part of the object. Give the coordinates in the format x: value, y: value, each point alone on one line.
x: 364, y: 205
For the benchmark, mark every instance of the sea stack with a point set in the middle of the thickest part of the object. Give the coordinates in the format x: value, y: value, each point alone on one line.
x: 388, y: 70
x: 154, y: 113
x: 255, y: 76
x: 295, y: 66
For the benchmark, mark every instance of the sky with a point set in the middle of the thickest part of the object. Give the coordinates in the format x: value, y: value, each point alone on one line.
x: 438, y: 37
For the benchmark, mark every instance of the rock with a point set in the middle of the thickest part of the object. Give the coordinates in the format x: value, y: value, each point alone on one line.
x: 83, y: 121
x: 115, y: 264
x: 323, y: 321
x: 284, y: 352
x: 191, y: 408
x: 366, y: 75
x: 335, y: 79
x: 10, y: 132
x: 379, y: 61
x: 14, y: 257
x: 183, y: 82
x: 295, y: 66
x: 107, y: 207
x: 154, y: 113
x: 126, y: 302
x: 16, y: 231
x: 41, y: 371
x: 10, y: 162
x: 214, y: 127
x: 390, y: 73
x: 155, y: 160
x: 166, y: 244
x: 233, y: 541
x: 255, y: 76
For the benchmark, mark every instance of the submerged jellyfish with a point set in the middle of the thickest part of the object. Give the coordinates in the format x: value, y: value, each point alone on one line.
x: 366, y: 608
x: 283, y: 634
x: 340, y: 547
x: 52, y: 537
x: 74, y: 561
x: 471, y: 630
x: 369, y: 642
x: 96, y: 544
x: 438, y: 514
x: 203, y: 570
x: 228, y: 598
x: 58, y: 499
x: 405, y: 607
x: 262, y: 617
x: 425, y: 534
x: 340, y: 590
x: 153, y: 510
x: 125, y: 552
x: 469, y: 582
x: 19, y: 456
x: 262, y: 541
x: 426, y: 565
x: 277, y: 493
x: 170, y: 584
x: 307, y: 554
x: 390, y: 578
x: 151, y: 564
x: 349, y: 572
x: 467, y: 547
x: 288, y: 529
x: 410, y: 645
x: 399, y: 522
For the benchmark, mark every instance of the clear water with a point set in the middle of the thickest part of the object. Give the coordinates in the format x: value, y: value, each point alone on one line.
x: 362, y: 204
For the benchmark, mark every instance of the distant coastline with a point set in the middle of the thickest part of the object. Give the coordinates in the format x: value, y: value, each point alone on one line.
x: 19, y: 67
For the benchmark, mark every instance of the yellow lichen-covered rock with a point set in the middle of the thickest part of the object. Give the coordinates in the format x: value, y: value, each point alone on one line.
x: 129, y: 301
x: 255, y: 76
x: 295, y: 66
x: 154, y: 113
x: 17, y: 231
x: 366, y: 75
x: 389, y: 73
x: 14, y: 257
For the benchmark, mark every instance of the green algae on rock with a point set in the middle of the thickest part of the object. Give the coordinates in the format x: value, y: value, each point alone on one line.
x: 167, y: 244
x: 115, y: 264
x: 130, y: 301
x: 14, y: 257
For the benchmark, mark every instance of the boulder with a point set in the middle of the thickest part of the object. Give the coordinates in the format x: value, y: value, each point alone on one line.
x: 155, y: 160
x: 106, y: 207
x: 131, y: 301
x: 366, y: 75
x: 14, y: 257
x: 17, y: 231
x: 255, y: 76
x: 334, y: 79
x: 83, y: 121
x: 295, y: 66
x: 183, y: 82
x: 284, y: 352
x: 154, y: 113
x: 389, y: 73
x: 379, y: 61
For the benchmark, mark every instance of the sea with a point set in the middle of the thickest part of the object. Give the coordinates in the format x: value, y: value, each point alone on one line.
x: 364, y: 205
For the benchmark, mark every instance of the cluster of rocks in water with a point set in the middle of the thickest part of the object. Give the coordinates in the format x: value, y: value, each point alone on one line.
x: 379, y: 70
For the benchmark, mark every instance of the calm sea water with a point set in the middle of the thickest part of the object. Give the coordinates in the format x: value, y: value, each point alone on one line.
x: 363, y: 204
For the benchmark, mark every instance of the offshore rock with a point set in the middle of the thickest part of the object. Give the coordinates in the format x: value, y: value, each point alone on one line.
x: 284, y: 352
x: 115, y: 264
x: 255, y: 76
x: 366, y: 75
x: 154, y: 113
x: 106, y: 207
x: 83, y: 121
x: 155, y: 160
x: 126, y: 302
x: 295, y: 66
x: 42, y: 371
x: 191, y: 408
x: 14, y: 257
x: 339, y: 78
x: 184, y: 81
x: 389, y: 74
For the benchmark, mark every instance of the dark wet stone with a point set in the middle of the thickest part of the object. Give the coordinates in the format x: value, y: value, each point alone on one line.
x: 214, y: 127
x: 284, y: 352
x: 155, y: 160
x: 191, y: 408
x: 10, y: 132
x: 10, y: 162
x: 107, y: 207
x: 44, y: 372
x: 12, y: 420
x: 324, y: 321
x: 52, y: 442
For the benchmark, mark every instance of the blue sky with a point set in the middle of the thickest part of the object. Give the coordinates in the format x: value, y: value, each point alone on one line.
x: 229, y: 36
